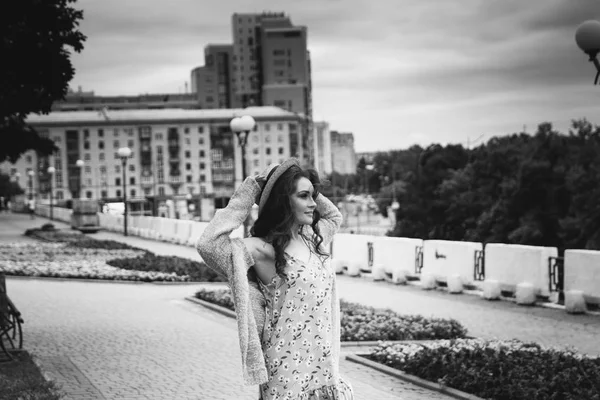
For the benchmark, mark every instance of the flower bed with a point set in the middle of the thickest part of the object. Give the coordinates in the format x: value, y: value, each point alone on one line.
x: 362, y: 323
x: 497, y: 369
x: 194, y: 271
x: 64, y: 261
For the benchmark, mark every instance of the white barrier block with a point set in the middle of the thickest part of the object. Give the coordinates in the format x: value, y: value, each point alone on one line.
x: 398, y: 277
x: 525, y: 294
x: 337, y: 265
x: 378, y: 272
x: 491, y: 289
x: 427, y: 281
x: 575, y: 302
x: 352, y: 247
x: 354, y: 268
x: 455, y: 284
x: 396, y: 254
x: 582, y: 272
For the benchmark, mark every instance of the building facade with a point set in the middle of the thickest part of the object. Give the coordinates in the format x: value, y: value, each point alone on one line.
x: 322, y: 147
x: 212, y: 83
x: 343, y: 155
x: 175, y: 152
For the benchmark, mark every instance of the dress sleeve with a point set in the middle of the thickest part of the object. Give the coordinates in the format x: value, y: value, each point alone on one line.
x: 215, y: 245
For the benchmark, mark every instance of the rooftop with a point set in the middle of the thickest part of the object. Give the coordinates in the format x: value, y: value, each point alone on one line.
x: 149, y: 115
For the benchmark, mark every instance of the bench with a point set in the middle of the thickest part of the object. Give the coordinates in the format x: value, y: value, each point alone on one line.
x: 11, y: 333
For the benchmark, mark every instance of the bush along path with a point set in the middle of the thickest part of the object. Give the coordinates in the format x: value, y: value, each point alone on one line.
x: 361, y: 323
x: 497, y: 370
x: 64, y: 254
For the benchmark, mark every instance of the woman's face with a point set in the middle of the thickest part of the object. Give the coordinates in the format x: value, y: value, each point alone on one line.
x: 303, y: 204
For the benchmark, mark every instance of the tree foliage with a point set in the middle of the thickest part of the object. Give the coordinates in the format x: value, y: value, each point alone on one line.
x: 35, y: 68
x: 539, y: 189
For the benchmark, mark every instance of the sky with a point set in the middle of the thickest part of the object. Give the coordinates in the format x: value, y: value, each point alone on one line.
x: 393, y: 72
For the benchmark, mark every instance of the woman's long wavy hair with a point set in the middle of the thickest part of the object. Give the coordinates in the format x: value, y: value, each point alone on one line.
x: 276, y: 220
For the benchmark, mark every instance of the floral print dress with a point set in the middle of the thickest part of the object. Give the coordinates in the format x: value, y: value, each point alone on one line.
x: 298, y: 335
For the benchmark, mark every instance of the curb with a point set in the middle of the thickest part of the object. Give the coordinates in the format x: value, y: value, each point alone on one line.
x: 457, y: 394
x: 221, y: 310
x: 118, y: 281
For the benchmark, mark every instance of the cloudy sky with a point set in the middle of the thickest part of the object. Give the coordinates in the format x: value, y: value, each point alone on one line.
x: 393, y: 72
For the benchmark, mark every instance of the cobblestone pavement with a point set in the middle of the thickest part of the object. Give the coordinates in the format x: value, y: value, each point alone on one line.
x: 144, y: 341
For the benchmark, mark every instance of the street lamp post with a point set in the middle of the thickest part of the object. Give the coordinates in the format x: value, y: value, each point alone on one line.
x: 80, y: 164
x: 124, y: 154
x: 242, y: 126
x: 51, y: 171
x: 30, y: 173
x: 587, y: 37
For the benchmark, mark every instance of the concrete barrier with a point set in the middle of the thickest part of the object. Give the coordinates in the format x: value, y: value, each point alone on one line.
x: 353, y: 248
x: 397, y: 255
x: 196, y: 231
x: 444, y: 258
x: 512, y: 264
x: 582, y: 272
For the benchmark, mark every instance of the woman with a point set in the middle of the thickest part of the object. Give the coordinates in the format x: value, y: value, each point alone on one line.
x: 282, y: 283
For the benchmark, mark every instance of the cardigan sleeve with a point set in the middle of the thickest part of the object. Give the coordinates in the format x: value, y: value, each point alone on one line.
x: 215, y: 244
x: 331, y: 218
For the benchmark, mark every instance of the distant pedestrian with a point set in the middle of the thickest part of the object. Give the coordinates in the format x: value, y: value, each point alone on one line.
x: 282, y: 283
x: 31, y: 206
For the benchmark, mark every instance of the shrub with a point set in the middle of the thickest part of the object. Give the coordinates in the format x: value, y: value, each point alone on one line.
x: 221, y: 297
x: 22, y: 379
x: 362, y: 323
x: 89, y: 243
x: 47, y: 227
x: 197, y: 271
x: 498, y: 369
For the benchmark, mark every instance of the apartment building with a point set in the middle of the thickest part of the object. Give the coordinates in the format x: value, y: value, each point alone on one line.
x: 212, y: 83
x: 322, y: 147
x: 175, y: 152
x: 343, y: 155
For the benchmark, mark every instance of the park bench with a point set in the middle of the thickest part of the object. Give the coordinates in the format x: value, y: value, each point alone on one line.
x: 11, y: 333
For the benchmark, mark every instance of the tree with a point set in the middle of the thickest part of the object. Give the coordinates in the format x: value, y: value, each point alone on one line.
x: 35, y: 68
x: 8, y: 188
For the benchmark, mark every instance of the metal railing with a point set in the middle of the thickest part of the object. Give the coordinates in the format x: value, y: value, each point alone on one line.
x: 418, y: 259
x: 556, y: 276
x: 479, y: 265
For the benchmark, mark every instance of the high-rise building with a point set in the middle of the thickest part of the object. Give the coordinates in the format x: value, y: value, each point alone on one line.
x: 322, y: 147
x: 212, y: 83
x: 342, y: 152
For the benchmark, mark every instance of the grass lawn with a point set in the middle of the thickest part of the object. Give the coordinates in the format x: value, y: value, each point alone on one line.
x: 22, y: 380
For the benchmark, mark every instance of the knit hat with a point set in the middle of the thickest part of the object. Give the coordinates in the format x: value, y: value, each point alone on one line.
x: 272, y: 178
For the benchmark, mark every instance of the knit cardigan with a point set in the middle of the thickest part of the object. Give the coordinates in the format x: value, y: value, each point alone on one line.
x: 231, y: 258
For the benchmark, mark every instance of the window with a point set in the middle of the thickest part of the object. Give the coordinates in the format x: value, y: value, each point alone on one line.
x: 280, y: 138
x: 132, y: 181
x: 88, y: 169
x: 103, y: 170
x: 100, y: 132
x: 118, y: 182
x: 188, y: 141
x: 59, y: 195
x: 132, y: 192
x: 161, y: 191
x: 131, y: 168
x: 255, y: 151
x: 281, y: 150
x: 146, y: 191
x: 202, y: 165
x: 188, y: 167
x: 116, y: 144
x: 158, y: 136
x: 200, y: 129
x: 201, y: 141
x: 279, y: 127
x: 188, y: 179
x: 268, y: 151
x: 86, y: 145
x: 256, y: 163
x: 118, y: 193
x: 103, y: 194
x: 57, y: 139
x: 130, y: 143
x: 202, y: 178
x: 86, y: 133
x: 267, y: 127
x: 186, y: 130
x: 116, y: 132
x: 188, y: 154
x: 88, y: 194
x: 101, y: 157
x: 268, y: 139
x: 279, y: 52
x: 202, y: 153
x: 117, y: 169
x: 87, y: 157
x: 101, y: 144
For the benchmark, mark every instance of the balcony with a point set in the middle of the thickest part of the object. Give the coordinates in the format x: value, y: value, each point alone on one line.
x: 175, y: 180
x: 147, y: 181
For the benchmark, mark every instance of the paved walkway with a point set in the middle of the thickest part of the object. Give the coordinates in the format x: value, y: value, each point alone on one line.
x: 143, y: 341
